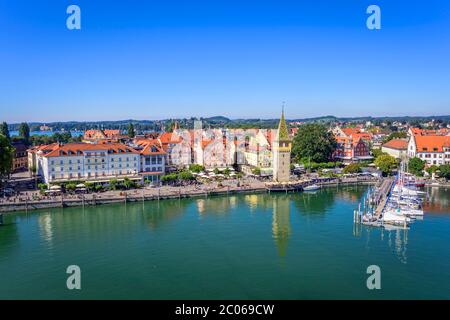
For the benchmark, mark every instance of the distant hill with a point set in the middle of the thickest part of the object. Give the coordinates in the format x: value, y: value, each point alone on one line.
x: 215, y: 121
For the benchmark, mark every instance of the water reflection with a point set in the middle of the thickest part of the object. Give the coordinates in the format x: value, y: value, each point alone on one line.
x: 315, y: 203
x: 398, y: 242
x: 216, y: 205
x: 281, y: 224
x: 46, y: 228
x: 161, y: 212
x: 437, y: 200
x: 9, y: 235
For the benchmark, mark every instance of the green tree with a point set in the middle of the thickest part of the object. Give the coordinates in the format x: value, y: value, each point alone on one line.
x: 185, y: 175
x: 313, y: 141
x: 5, y: 131
x: 196, y: 168
x: 444, y: 171
x: 432, y: 169
x: 128, y: 184
x: 386, y: 163
x: 90, y: 186
x: 168, y: 178
x: 416, y: 166
x: 42, y: 187
x: 352, y: 168
x: 377, y: 152
x: 71, y: 186
x: 256, y: 171
x: 24, y: 132
x: 396, y: 135
x: 113, y: 184
x: 131, y: 132
x: 6, y: 157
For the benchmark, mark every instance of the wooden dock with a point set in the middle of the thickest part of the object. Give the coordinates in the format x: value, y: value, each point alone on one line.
x: 381, y: 195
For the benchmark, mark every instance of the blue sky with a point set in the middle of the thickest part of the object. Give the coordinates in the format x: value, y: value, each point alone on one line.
x: 165, y: 59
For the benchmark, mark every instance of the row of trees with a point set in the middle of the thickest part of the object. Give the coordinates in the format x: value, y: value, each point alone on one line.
x: 416, y: 166
x: 113, y: 184
x: 6, y: 158
x: 24, y: 136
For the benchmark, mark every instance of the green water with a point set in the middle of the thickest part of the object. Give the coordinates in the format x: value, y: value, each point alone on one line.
x: 296, y: 246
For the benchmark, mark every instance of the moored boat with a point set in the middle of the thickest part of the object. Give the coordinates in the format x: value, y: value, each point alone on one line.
x: 312, y: 187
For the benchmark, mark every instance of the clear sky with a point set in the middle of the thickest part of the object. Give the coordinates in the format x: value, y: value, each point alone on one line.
x: 237, y: 58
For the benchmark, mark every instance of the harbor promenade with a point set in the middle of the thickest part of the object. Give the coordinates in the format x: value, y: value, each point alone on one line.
x: 33, y: 200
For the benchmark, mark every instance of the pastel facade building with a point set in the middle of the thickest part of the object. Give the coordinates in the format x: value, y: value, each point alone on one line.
x: 88, y: 162
x: 396, y: 148
x: 433, y: 149
x: 353, y: 145
x: 153, y: 160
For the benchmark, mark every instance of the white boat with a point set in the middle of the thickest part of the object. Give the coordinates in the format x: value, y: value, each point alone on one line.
x: 408, y: 212
x: 404, y: 191
x: 395, y: 217
x: 312, y: 187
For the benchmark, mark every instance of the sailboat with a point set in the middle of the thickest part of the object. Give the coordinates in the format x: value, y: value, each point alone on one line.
x: 394, y: 216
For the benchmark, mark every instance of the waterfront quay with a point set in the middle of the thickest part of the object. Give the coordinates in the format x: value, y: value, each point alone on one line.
x: 32, y: 200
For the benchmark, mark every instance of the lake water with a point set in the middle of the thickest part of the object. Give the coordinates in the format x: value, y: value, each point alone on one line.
x: 295, y: 246
x: 47, y: 133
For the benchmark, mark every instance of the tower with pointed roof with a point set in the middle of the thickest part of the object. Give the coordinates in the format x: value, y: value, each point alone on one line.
x: 282, y: 152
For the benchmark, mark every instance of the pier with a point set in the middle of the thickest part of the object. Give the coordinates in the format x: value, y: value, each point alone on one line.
x: 374, y: 203
x: 381, y: 195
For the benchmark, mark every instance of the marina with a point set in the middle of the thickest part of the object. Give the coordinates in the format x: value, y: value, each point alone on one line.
x: 394, y: 202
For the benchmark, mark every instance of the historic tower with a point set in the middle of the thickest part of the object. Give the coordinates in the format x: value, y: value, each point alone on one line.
x: 282, y: 152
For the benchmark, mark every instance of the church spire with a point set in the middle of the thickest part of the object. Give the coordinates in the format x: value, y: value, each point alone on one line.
x: 283, y: 133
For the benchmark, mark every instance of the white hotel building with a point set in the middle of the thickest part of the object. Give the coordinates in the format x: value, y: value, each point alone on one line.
x: 433, y: 149
x: 88, y: 162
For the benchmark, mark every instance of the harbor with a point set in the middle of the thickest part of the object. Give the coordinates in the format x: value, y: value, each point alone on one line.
x: 393, y: 201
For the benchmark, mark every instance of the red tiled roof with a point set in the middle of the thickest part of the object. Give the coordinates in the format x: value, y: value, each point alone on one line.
x: 152, y: 148
x: 71, y: 149
x: 168, y: 137
x: 431, y: 143
x: 427, y: 132
x: 398, y: 144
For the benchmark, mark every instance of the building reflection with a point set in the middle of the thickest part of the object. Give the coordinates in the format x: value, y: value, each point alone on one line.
x: 161, y: 212
x: 437, y: 201
x: 281, y: 224
x: 216, y: 205
x: 46, y: 228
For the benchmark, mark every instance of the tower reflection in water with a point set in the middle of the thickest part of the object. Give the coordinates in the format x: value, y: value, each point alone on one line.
x: 281, y: 220
x: 281, y: 223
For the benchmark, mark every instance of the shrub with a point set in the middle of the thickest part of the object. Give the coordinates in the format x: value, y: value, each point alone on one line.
x: 352, y: 168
